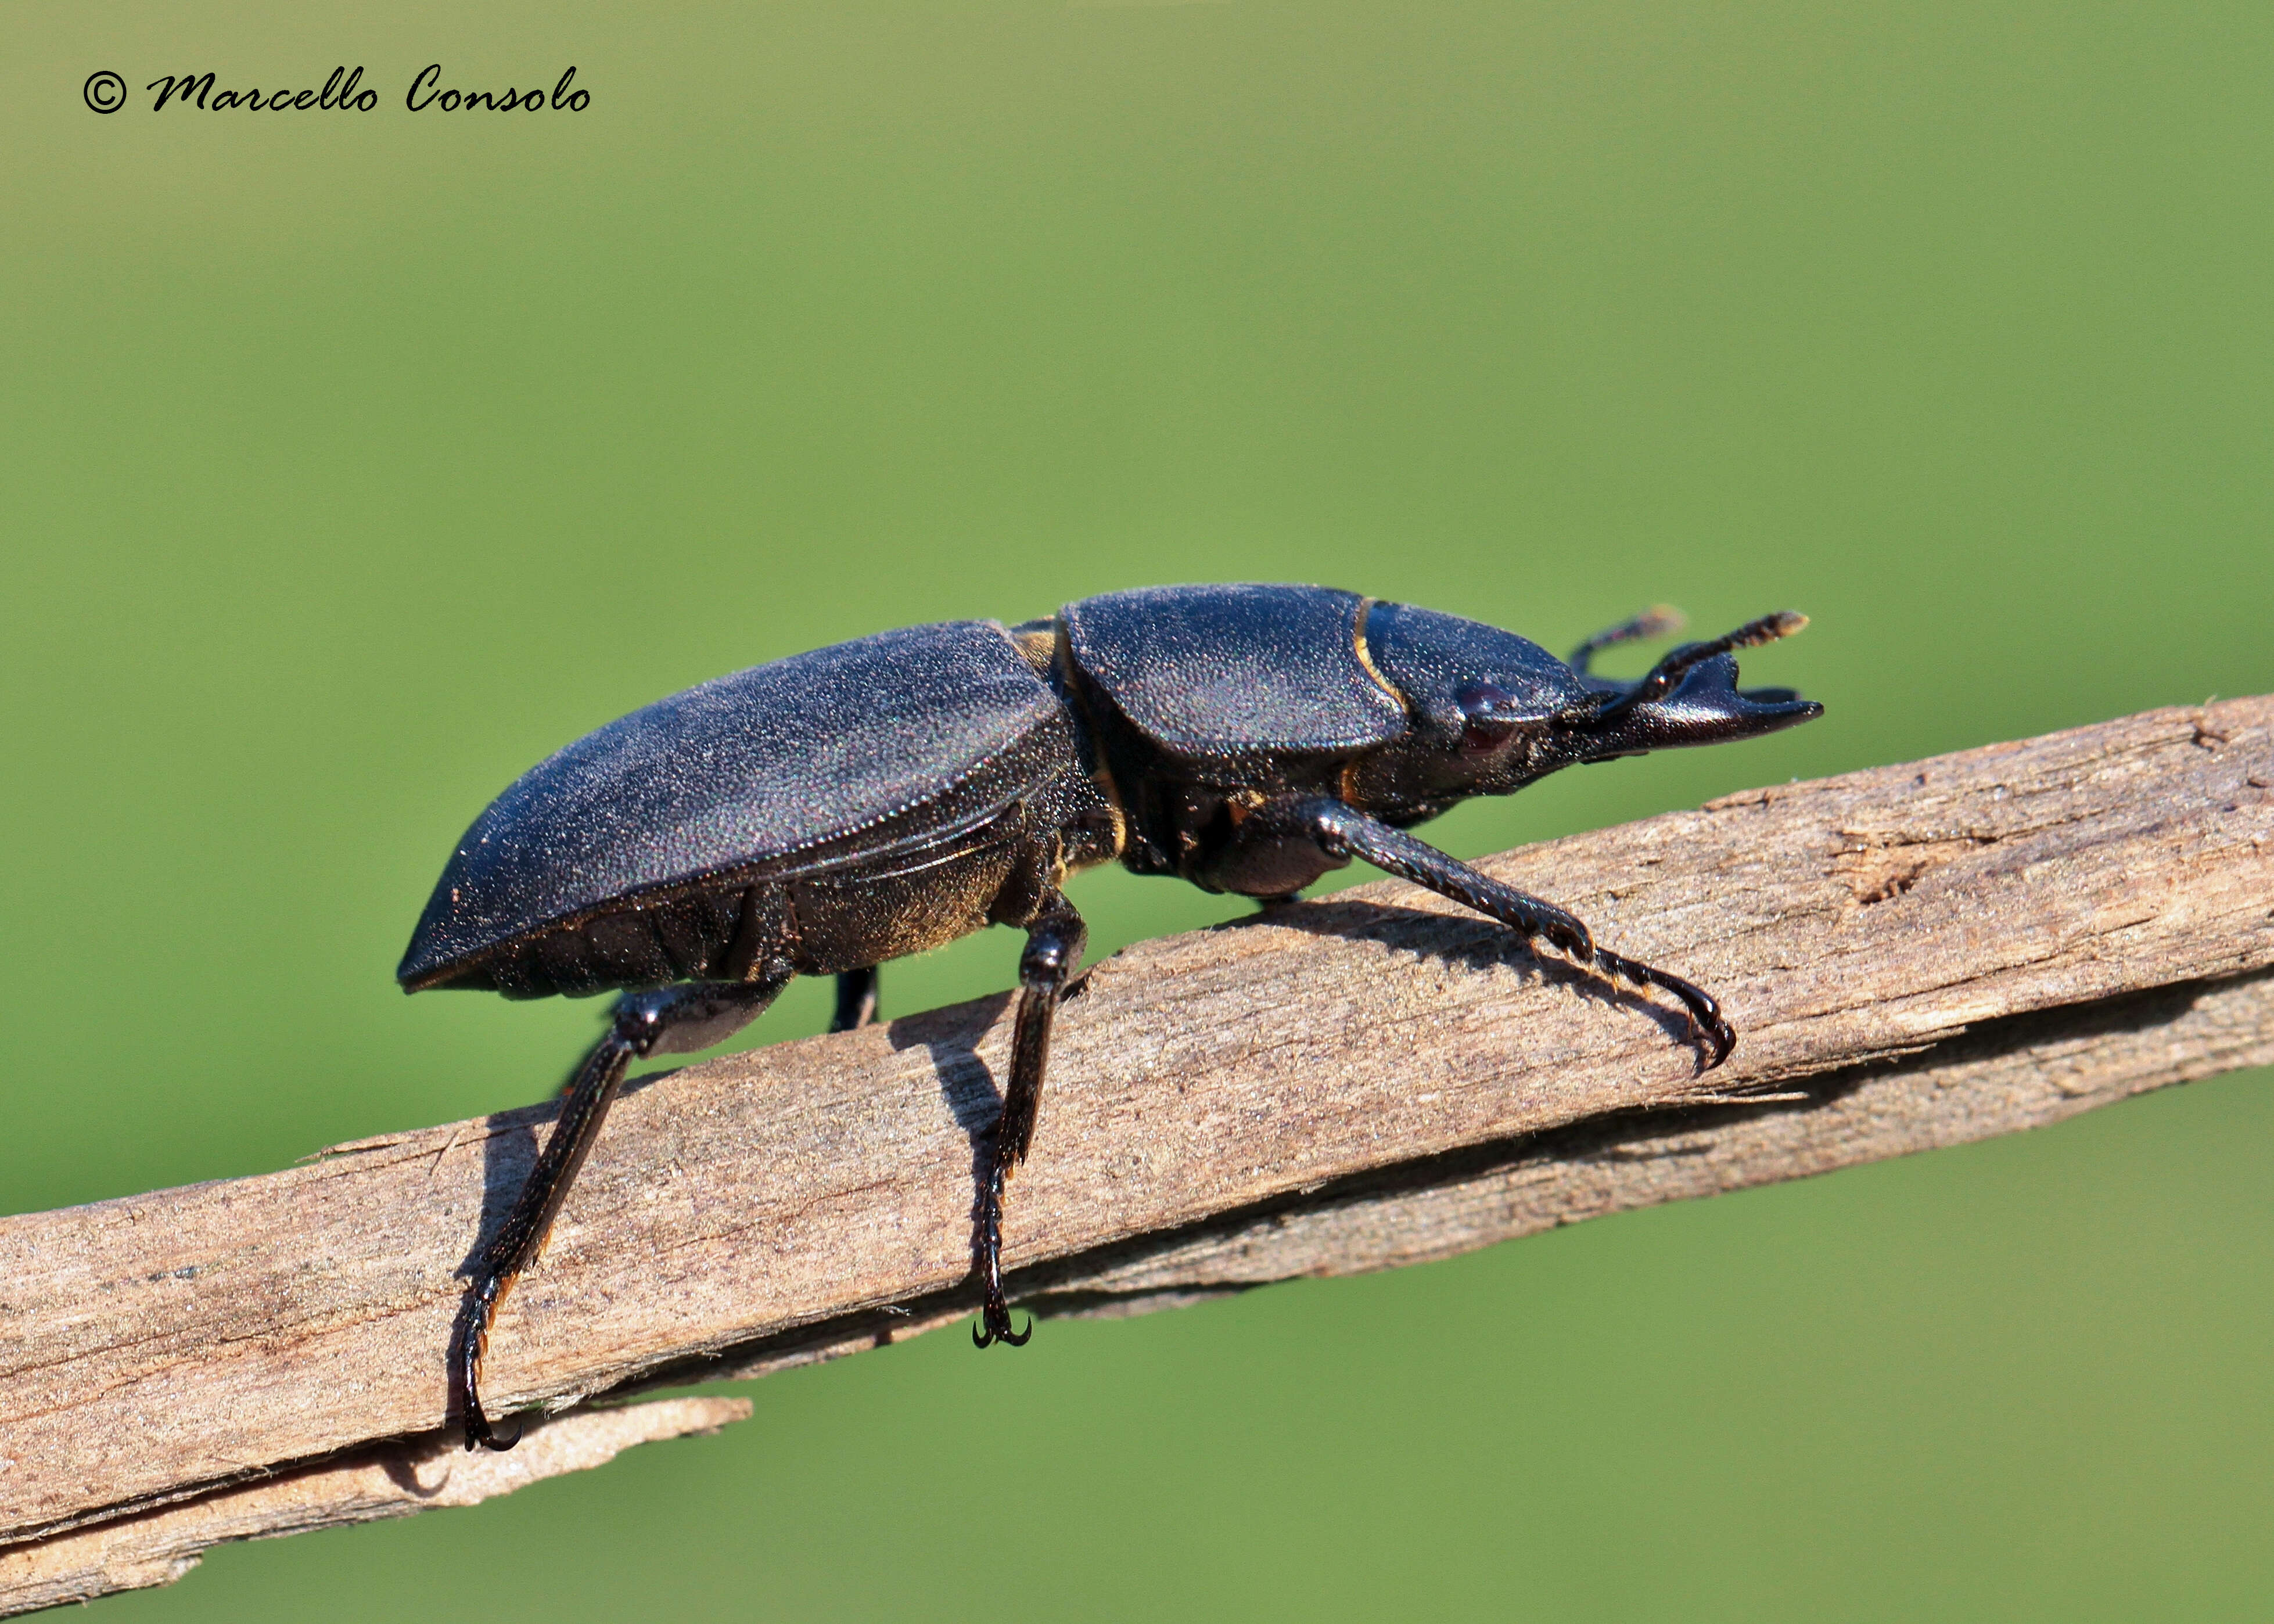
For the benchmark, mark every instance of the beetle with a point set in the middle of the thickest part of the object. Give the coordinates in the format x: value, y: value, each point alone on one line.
x: 822, y: 814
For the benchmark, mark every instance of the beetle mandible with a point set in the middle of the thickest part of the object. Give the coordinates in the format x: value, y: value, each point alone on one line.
x: 822, y: 814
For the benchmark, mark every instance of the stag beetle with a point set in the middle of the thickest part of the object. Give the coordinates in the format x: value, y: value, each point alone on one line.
x: 822, y: 814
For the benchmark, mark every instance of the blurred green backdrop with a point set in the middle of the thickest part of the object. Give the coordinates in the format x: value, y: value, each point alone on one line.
x: 355, y: 462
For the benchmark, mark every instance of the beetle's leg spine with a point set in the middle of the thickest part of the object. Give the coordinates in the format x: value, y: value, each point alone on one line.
x: 1705, y: 1011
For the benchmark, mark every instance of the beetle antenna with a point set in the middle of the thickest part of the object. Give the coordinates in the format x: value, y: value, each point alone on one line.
x: 1678, y: 663
x: 1657, y: 621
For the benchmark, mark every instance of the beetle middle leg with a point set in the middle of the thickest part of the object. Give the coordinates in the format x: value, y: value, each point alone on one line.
x: 671, y: 1020
x: 856, y: 999
x: 1341, y: 832
x: 1054, y: 944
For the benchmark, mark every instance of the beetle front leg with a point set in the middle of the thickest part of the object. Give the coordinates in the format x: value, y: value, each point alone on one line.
x: 1054, y: 944
x: 672, y: 1021
x: 1342, y: 832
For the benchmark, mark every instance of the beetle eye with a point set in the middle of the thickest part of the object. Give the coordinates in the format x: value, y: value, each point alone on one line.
x: 1486, y: 715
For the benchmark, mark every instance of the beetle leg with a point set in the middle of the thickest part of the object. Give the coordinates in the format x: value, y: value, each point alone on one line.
x: 856, y: 999
x: 671, y: 1020
x: 1054, y: 944
x: 1343, y: 831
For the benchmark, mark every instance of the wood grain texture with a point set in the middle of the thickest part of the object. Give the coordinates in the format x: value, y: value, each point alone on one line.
x: 392, y: 1480
x: 1913, y: 955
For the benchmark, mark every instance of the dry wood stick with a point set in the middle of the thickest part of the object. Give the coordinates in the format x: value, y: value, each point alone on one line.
x: 389, y: 1480
x: 1915, y: 955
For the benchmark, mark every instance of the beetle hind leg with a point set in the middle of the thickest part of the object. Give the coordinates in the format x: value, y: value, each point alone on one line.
x: 671, y: 1020
x: 1054, y: 944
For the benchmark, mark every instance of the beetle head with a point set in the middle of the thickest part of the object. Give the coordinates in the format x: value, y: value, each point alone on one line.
x: 1690, y: 697
x: 1492, y: 712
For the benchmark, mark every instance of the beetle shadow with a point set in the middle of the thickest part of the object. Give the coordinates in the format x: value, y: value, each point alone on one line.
x: 1474, y: 943
x: 950, y: 1038
x: 401, y: 1468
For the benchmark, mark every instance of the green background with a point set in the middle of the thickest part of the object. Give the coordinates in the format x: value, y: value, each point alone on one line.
x: 353, y: 463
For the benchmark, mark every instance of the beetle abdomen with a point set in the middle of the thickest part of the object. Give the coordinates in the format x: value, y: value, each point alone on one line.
x: 690, y: 937
x: 856, y: 910
x: 691, y: 794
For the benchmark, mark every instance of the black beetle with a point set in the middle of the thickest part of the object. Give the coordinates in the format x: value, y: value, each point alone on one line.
x: 822, y: 814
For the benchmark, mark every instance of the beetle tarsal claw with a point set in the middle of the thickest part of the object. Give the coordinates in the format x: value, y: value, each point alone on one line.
x: 498, y: 1442
x: 995, y: 1326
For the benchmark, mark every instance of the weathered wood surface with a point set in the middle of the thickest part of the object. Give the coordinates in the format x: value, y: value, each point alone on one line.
x: 2019, y: 1073
x: 390, y: 1480
x: 1350, y: 1084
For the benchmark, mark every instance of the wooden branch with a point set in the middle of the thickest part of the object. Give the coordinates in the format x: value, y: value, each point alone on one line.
x: 1915, y: 956
x: 392, y: 1480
